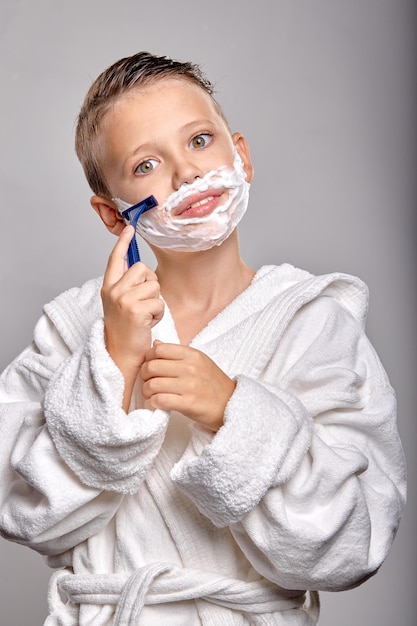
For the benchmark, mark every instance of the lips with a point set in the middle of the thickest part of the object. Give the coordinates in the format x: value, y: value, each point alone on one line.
x: 198, y: 204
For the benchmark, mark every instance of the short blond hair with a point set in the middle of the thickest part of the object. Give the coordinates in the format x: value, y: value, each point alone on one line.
x: 138, y: 70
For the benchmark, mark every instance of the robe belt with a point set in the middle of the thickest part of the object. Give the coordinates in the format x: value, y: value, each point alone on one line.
x: 161, y: 583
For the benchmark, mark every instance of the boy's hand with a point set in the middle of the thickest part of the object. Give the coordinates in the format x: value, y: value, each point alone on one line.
x: 180, y: 378
x: 132, y: 306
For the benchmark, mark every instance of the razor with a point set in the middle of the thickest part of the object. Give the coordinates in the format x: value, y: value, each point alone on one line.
x: 131, y: 216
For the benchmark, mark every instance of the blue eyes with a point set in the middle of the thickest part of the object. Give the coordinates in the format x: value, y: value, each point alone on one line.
x: 197, y: 143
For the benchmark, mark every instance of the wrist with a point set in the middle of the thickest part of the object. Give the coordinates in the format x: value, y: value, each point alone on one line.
x: 218, y: 421
x: 129, y: 369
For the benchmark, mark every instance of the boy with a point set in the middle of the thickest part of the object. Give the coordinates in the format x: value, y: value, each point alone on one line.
x: 202, y: 443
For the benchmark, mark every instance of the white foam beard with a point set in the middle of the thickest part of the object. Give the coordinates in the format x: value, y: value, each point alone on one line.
x: 187, y: 234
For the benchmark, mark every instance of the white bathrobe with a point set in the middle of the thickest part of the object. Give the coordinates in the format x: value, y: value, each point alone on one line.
x: 153, y: 520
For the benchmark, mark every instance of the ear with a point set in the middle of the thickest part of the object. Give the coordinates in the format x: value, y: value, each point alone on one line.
x: 107, y: 210
x: 242, y: 147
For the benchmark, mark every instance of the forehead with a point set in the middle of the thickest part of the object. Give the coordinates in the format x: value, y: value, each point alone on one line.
x: 164, y: 102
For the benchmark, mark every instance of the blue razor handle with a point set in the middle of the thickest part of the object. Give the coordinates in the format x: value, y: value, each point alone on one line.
x: 132, y: 215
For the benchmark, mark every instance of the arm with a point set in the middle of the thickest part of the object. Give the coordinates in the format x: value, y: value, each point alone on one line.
x: 308, y: 470
x: 132, y: 307
x: 38, y: 491
x: 68, y: 451
x: 87, y: 401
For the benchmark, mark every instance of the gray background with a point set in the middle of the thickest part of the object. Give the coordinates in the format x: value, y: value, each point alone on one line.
x: 324, y: 92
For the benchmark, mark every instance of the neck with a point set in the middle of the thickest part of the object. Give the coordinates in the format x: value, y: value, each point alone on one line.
x: 203, y: 280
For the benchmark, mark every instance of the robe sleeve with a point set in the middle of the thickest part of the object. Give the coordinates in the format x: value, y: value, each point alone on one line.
x: 68, y: 452
x: 308, y: 470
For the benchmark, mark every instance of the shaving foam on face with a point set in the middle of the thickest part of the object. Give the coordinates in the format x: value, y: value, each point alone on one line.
x: 161, y: 228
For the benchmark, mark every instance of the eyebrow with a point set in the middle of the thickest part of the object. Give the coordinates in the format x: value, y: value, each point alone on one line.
x: 144, y: 147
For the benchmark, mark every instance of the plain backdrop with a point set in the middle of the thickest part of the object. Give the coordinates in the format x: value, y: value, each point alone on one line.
x: 323, y: 91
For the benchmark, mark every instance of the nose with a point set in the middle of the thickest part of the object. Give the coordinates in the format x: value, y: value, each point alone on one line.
x: 186, y: 170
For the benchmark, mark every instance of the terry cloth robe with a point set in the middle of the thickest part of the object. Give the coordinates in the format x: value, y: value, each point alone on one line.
x: 150, y: 519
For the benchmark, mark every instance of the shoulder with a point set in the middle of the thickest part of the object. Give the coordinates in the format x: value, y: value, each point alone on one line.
x: 75, y: 310
x: 299, y: 288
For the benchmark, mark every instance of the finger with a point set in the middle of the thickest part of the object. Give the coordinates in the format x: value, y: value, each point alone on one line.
x: 171, y: 351
x: 147, y: 312
x: 165, y: 401
x: 116, y: 265
x: 147, y: 290
x: 157, y: 368
x: 155, y: 386
x: 140, y: 273
x: 139, y: 282
x: 130, y: 300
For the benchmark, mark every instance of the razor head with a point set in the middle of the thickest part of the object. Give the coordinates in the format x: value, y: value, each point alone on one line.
x: 133, y: 213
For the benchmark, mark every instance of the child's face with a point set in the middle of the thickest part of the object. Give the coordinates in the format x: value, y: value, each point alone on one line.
x: 157, y: 138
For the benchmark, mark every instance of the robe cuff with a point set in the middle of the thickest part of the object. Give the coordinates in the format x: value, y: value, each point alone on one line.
x: 107, y: 448
x: 265, y: 435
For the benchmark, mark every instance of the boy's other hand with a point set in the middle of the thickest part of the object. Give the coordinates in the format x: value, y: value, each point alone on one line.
x: 180, y: 378
x: 132, y: 306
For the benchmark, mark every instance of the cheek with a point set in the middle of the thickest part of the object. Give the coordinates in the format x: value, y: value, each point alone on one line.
x: 225, y: 153
x: 140, y: 188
